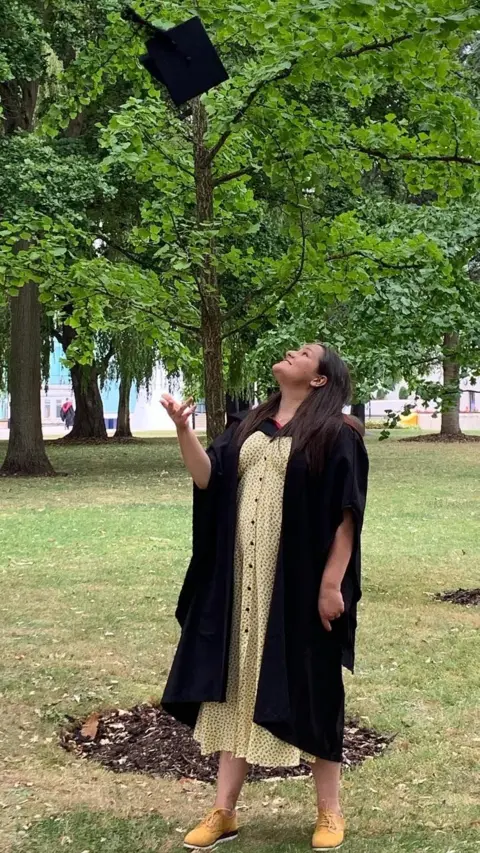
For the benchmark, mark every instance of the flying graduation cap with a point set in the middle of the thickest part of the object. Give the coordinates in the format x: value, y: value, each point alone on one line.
x: 182, y: 58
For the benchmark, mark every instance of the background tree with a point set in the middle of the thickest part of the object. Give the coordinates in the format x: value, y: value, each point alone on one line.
x: 21, y: 66
x: 42, y: 191
x: 133, y: 366
x: 411, y: 321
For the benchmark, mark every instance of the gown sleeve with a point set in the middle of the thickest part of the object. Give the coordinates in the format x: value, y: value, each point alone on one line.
x: 204, y: 524
x: 347, y: 474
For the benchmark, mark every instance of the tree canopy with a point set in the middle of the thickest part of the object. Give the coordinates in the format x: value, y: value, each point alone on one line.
x: 268, y: 200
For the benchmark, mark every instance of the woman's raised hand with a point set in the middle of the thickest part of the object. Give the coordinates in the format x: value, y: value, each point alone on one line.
x: 179, y: 412
x: 194, y: 456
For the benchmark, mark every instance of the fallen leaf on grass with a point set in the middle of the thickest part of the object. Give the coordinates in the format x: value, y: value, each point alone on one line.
x: 90, y: 726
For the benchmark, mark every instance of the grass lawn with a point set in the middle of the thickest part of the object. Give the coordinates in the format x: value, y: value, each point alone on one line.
x: 90, y: 567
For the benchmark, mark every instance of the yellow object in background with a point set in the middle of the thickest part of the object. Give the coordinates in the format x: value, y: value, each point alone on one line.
x: 409, y: 420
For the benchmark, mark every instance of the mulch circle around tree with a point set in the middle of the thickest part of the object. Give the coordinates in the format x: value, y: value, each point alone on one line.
x: 466, y: 597
x: 145, y: 739
x: 438, y: 438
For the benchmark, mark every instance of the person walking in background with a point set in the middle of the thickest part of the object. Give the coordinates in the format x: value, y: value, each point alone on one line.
x: 268, y: 605
x: 67, y: 414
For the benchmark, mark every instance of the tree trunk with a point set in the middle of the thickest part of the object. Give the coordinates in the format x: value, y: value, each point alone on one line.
x: 89, y: 420
x: 123, y: 418
x: 451, y: 378
x: 235, y: 404
x: 211, y: 320
x: 213, y: 371
x: 358, y: 411
x: 26, y: 450
x: 19, y: 101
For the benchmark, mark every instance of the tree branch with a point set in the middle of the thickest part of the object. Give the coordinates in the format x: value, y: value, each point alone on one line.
x: 418, y: 158
x: 108, y: 355
x: 303, y: 252
x: 274, y: 302
x: 241, y: 112
x: 57, y: 335
x: 379, y: 261
x: 424, y: 362
x: 146, y: 265
x: 345, y: 54
x: 328, y: 259
x: 131, y: 256
x: 230, y: 176
x: 168, y: 158
x: 377, y: 45
x: 186, y: 249
x: 125, y: 300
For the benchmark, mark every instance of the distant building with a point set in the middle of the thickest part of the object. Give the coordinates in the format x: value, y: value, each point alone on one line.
x: 148, y: 415
x: 146, y: 412
x: 60, y: 389
x: 469, y: 405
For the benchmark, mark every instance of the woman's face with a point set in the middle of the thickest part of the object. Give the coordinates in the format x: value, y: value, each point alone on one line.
x: 300, y: 367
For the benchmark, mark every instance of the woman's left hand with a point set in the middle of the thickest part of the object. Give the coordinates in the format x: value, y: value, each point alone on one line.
x: 330, y: 605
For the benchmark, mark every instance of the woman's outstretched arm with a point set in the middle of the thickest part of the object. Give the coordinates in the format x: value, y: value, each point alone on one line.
x: 194, y: 456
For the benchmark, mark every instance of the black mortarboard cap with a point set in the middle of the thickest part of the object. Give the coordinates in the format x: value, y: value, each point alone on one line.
x: 182, y: 58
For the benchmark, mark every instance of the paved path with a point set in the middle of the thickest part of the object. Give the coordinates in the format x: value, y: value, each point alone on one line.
x: 48, y: 432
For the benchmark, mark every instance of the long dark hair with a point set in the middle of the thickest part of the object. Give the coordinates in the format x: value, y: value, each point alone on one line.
x: 318, y: 420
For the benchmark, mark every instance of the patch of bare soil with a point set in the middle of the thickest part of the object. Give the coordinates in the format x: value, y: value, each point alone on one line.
x: 145, y: 739
x: 466, y: 597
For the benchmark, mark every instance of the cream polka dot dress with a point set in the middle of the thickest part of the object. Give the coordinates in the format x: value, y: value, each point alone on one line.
x: 229, y: 725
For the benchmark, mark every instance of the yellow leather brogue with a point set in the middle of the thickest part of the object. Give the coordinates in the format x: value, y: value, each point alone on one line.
x: 218, y: 826
x: 329, y: 831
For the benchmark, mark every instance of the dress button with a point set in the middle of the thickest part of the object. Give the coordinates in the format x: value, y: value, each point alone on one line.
x: 252, y: 543
x: 247, y: 610
x: 246, y: 630
x: 249, y: 587
x: 261, y: 478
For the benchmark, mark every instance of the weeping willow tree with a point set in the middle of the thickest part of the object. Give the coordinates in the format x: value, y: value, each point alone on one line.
x: 132, y: 366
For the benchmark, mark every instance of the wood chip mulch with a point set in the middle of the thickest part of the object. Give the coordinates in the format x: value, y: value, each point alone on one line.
x: 437, y: 438
x: 144, y: 739
x: 460, y: 596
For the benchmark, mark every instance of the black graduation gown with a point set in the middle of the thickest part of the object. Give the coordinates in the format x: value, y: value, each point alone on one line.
x: 300, y: 697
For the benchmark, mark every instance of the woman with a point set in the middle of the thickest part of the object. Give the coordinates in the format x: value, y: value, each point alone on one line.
x: 268, y: 606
